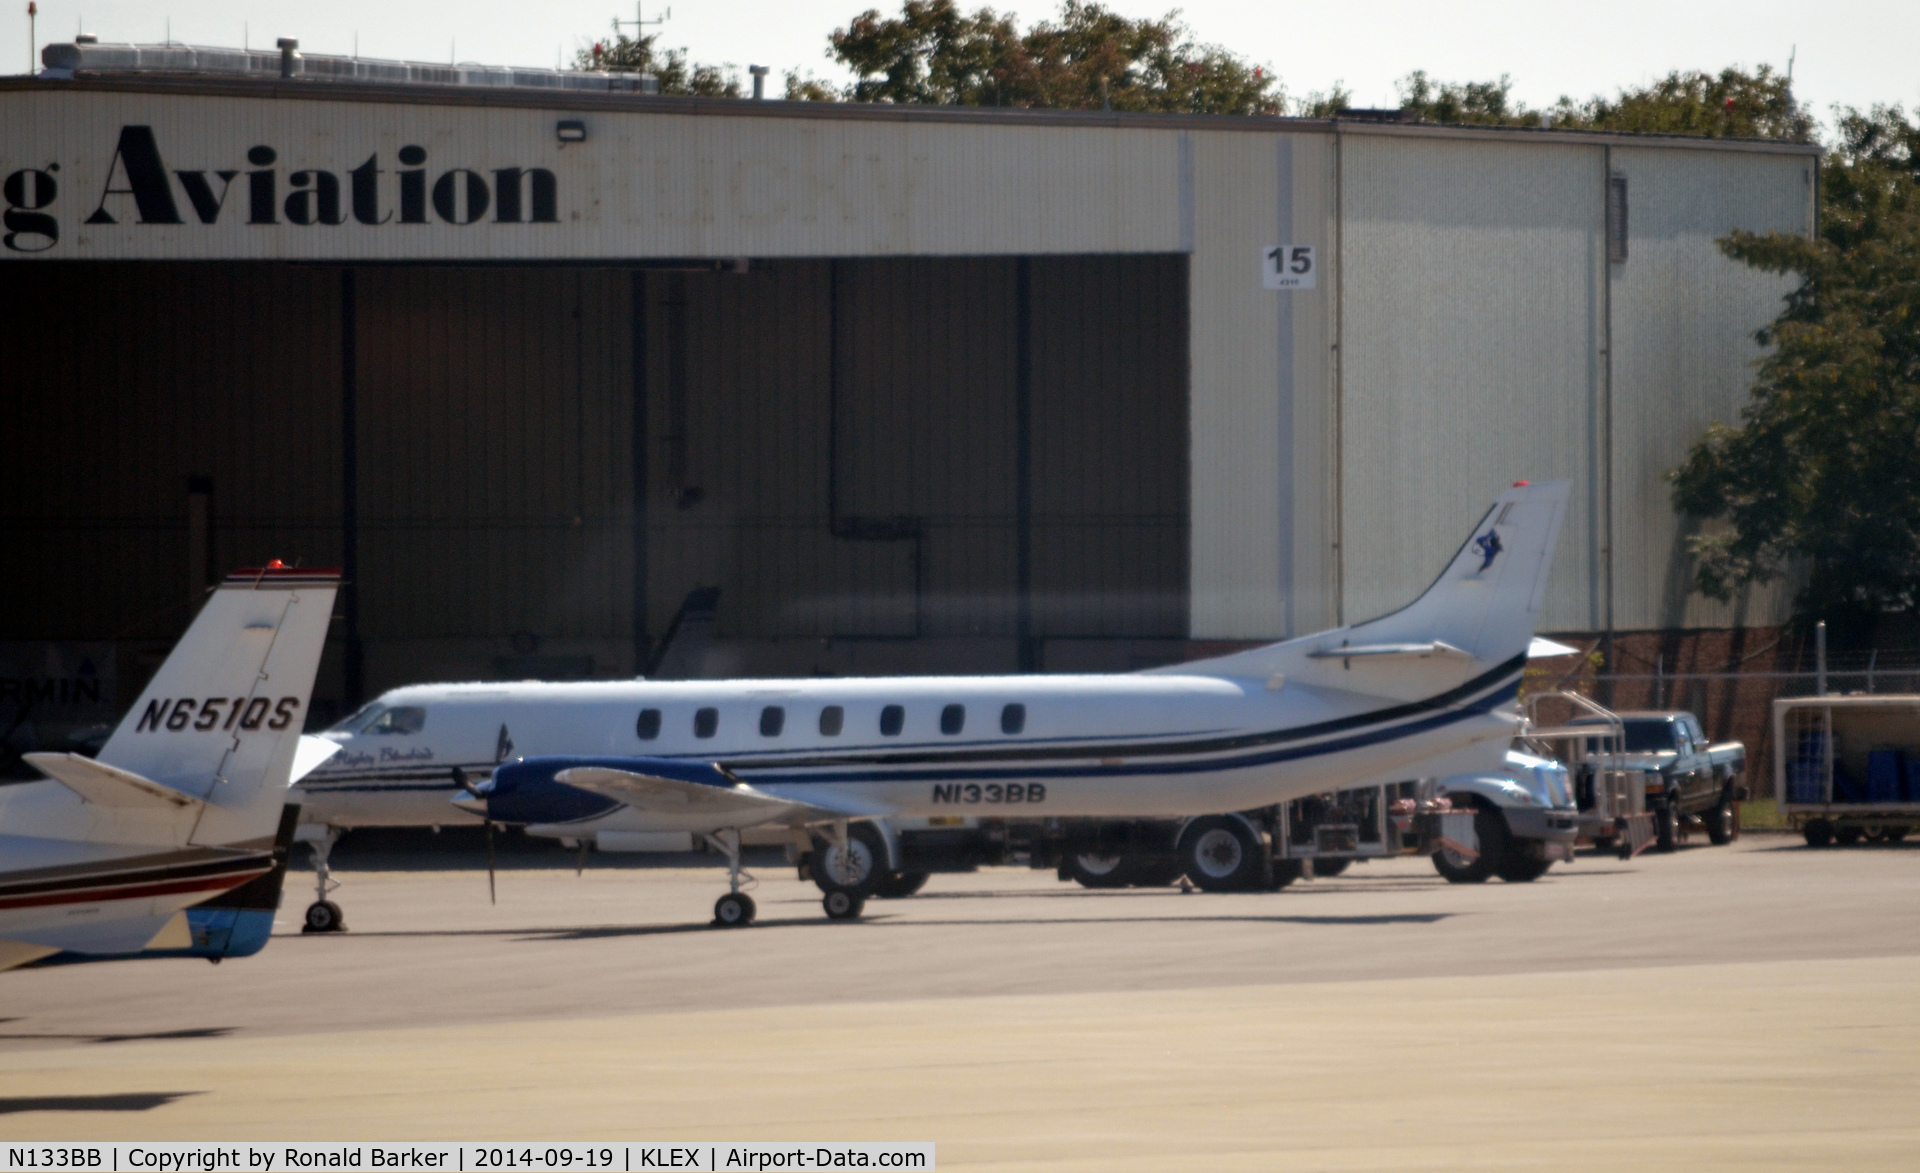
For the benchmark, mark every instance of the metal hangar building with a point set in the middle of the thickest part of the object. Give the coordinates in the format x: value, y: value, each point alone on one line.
x: 919, y: 389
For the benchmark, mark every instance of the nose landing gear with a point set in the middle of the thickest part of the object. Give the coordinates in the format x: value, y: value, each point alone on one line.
x: 323, y: 915
x: 735, y: 909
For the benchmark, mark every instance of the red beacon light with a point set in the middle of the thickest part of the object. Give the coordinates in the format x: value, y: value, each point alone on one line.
x: 1521, y: 484
x: 276, y: 564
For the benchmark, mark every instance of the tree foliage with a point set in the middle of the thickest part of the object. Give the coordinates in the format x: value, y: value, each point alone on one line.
x: 1730, y: 104
x: 1822, y: 475
x: 625, y: 54
x: 1087, y: 58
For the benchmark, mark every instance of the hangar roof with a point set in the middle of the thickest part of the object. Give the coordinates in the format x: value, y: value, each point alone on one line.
x: 525, y: 96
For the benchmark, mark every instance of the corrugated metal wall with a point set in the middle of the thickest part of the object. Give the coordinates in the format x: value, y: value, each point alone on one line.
x: 838, y: 447
x: 1471, y: 348
x: 122, y: 382
x: 1683, y: 323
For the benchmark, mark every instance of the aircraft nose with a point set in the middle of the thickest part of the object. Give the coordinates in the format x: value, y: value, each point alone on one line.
x: 473, y: 804
x: 475, y: 800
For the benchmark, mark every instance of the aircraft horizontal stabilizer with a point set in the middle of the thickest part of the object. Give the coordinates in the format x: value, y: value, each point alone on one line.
x: 104, y: 785
x: 650, y: 792
x: 1425, y: 651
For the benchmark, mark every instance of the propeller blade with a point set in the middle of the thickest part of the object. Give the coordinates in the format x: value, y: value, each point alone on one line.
x: 491, y: 897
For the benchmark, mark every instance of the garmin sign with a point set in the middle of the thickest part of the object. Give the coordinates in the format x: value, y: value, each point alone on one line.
x: 140, y: 187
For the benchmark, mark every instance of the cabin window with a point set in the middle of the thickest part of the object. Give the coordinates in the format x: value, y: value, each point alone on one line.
x: 831, y: 719
x: 405, y: 719
x: 1013, y: 719
x: 706, y: 722
x: 891, y: 719
x: 773, y: 719
x: 953, y: 719
x: 648, y: 726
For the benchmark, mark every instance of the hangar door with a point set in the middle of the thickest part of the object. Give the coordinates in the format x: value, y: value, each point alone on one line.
x: 883, y: 465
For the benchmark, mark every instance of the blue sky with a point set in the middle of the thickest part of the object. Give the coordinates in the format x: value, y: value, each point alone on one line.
x: 1848, y: 51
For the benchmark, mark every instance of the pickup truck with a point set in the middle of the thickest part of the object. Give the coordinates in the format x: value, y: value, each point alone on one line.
x: 1688, y: 781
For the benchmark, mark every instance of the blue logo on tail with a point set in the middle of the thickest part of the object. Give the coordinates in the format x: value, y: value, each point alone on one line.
x: 1489, y: 546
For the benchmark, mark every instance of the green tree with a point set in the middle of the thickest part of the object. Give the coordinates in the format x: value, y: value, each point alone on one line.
x: 1822, y: 475
x: 624, y: 54
x: 1730, y: 104
x: 1090, y: 57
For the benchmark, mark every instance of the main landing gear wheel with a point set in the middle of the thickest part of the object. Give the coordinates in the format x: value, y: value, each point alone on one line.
x: 1222, y: 853
x: 842, y: 904
x: 853, y: 860
x: 323, y: 916
x: 733, y: 910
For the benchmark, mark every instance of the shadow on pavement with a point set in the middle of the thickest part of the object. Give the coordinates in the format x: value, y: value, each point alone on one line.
x: 122, y: 1102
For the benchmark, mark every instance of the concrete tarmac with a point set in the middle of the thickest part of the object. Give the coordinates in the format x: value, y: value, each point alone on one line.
x: 1750, y: 1005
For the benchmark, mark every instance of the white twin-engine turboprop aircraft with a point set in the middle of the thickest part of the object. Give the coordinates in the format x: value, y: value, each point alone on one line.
x: 1427, y: 690
x: 173, y: 841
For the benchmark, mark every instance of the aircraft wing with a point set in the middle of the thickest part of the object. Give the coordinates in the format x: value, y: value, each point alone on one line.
x: 651, y: 792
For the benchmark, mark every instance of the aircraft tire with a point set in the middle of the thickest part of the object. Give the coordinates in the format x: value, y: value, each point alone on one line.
x: 866, y: 850
x: 843, y: 904
x: 900, y: 884
x: 324, y: 916
x: 732, y: 911
x: 1223, y: 853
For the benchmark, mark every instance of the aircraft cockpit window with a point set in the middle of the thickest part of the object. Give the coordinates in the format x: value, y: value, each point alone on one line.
x: 892, y: 718
x: 398, y: 720
x: 953, y: 719
x: 706, y: 722
x: 405, y: 719
x: 648, y: 726
x: 360, y: 718
x: 773, y: 719
x: 1013, y: 719
x: 831, y: 719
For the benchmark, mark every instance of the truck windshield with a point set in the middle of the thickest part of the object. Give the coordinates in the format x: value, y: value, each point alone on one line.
x: 1649, y: 735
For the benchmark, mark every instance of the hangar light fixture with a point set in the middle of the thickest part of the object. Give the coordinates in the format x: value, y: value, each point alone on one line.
x: 570, y: 130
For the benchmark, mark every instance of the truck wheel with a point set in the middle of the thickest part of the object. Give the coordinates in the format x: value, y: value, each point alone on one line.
x: 1523, y: 863
x: 1491, y: 829
x: 900, y: 884
x: 1666, y: 824
x: 1286, y: 871
x: 1819, y: 832
x: 1720, y: 824
x: 1847, y: 836
x: 1330, y: 867
x: 1092, y: 869
x: 1221, y: 853
x: 1896, y: 834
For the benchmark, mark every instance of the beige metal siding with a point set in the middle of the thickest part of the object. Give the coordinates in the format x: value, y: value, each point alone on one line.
x: 643, y: 184
x: 1471, y: 337
x: 1684, y: 317
x: 1235, y: 419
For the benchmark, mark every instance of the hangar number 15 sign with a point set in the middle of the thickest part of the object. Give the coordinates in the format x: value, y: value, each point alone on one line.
x: 1287, y: 266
